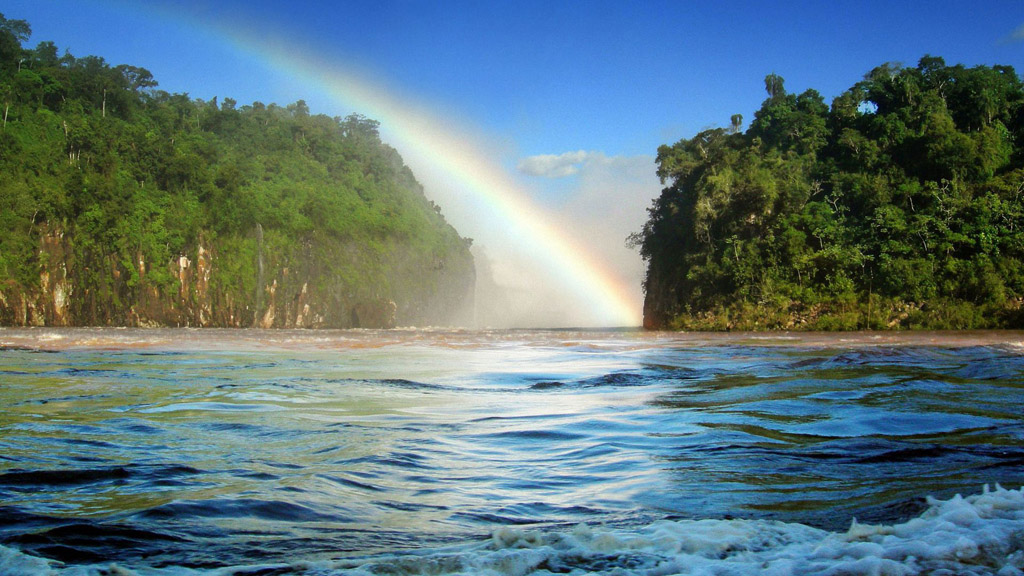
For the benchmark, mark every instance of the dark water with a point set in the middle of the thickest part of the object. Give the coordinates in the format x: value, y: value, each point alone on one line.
x: 516, y: 452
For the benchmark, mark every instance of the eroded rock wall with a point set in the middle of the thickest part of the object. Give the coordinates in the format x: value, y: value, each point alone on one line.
x: 190, y: 293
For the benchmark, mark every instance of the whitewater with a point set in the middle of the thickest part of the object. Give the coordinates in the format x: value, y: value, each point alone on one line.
x: 518, y: 452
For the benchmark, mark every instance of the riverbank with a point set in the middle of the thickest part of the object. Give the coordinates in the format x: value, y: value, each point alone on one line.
x: 871, y: 314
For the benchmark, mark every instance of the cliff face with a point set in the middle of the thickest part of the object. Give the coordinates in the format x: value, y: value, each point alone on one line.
x: 131, y: 206
x: 286, y: 291
x: 655, y: 317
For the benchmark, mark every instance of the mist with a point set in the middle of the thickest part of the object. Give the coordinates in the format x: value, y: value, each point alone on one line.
x: 550, y: 230
x: 596, y: 199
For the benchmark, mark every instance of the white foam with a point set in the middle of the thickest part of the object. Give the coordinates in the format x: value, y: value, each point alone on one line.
x: 978, y: 535
x: 15, y: 563
x: 982, y: 534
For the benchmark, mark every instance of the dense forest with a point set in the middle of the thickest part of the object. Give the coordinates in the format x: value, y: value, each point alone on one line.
x: 121, y: 204
x: 900, y: 206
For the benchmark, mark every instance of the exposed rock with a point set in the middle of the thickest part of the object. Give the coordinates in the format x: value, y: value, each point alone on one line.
x: 204, y: 267
x: 299, y: 291
x: 655, y: 317
x: 184, y: 276
x: 53, y: 281
x: 268, y: 317
x: 374, y: 314
x: 303, y: 316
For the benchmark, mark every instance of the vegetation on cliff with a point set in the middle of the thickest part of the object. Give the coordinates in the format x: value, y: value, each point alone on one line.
x: 123, y: 204
x: 901, y: 206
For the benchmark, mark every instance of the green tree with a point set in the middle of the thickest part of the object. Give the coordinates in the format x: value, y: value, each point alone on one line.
x: 125, y: 189
x: 895, y: 204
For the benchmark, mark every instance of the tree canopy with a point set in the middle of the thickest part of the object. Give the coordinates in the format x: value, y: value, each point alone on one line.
x: 125, y: 173
x: 901, y: 205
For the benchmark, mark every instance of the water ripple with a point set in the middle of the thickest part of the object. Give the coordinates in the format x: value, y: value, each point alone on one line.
x: 322, y: 447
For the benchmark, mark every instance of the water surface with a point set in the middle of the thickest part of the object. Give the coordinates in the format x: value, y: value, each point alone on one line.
x: 255, y: 452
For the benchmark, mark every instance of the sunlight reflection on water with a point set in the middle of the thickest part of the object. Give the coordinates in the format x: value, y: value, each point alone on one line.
x: 251, y: 444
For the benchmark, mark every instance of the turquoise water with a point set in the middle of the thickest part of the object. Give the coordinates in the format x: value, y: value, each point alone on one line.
x: 511, y: 452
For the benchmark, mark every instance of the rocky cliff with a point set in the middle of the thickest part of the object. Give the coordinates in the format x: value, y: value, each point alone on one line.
x: 121, y: 204
x: 279, y: 295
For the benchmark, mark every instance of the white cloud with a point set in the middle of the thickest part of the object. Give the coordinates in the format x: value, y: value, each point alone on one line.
x: 554, y: 166
x: 1015, y: 36
x: 610, y: 203
x: 604, y: 204
x: 1018, y: 34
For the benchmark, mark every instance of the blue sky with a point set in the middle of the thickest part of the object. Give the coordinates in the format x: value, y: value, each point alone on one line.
x: 571, y: 98
x: 549, y: 76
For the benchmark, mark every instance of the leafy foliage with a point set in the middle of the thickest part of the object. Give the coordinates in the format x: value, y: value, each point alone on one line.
x: 134, y: 178
x: 902, y: 205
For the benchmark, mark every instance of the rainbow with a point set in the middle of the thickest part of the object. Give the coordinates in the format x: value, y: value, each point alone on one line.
x: 608, y: 299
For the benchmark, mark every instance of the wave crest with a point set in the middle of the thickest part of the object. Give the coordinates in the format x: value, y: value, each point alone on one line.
x: 980, y: 534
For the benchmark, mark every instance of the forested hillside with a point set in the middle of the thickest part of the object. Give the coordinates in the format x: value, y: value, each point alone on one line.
x: 121, y: 204
x: 900, y: 206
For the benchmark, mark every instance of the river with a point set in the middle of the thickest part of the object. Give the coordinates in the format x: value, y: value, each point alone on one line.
x: 279, y: 453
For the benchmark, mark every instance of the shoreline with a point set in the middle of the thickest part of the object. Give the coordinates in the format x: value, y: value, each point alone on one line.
x: 45, y: 339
